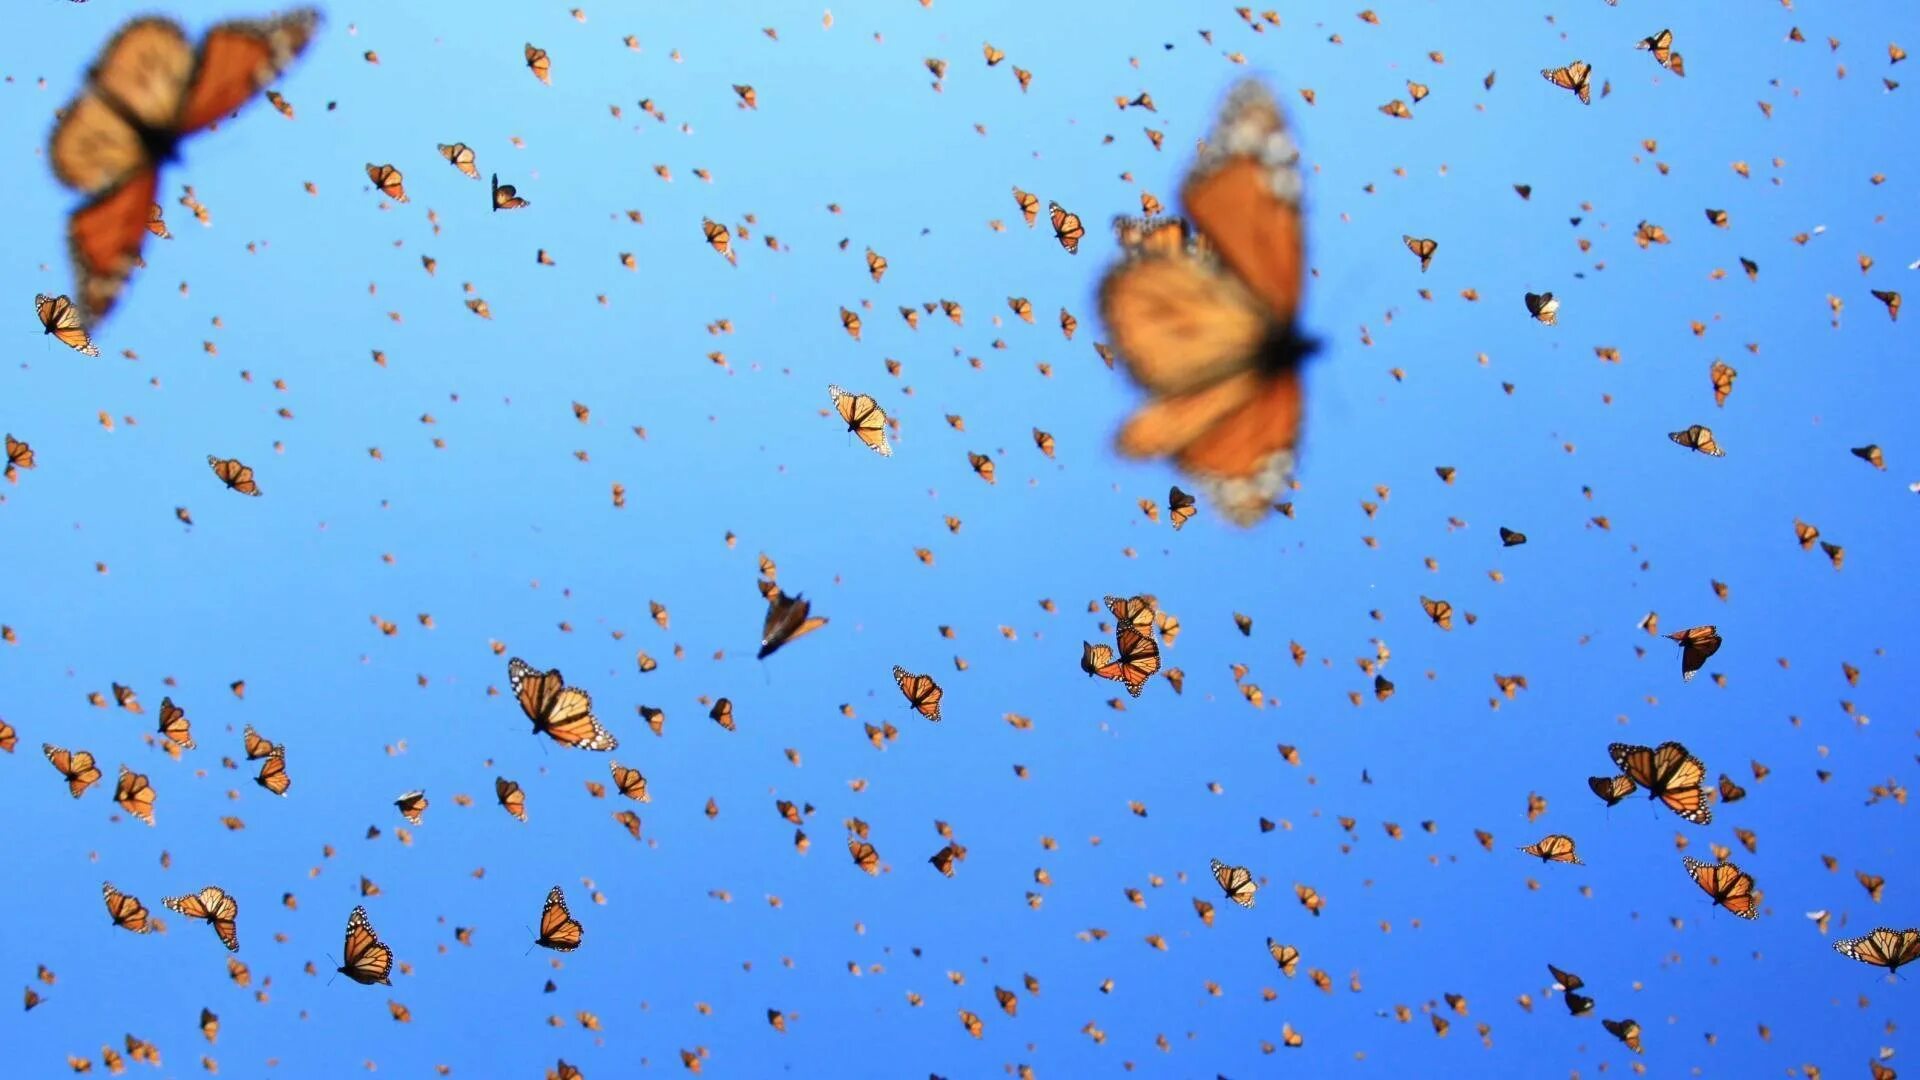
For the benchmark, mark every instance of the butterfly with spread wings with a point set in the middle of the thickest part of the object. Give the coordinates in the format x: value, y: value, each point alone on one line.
x: 77, y: 766
x: 126, y: 911
x: 1728, y: 885
x: 864, y: 417
x: 61, y: 320
x: 147, y: 91
x: 559, y: 930
x: 365, y: 958
x: 1670, y: 774
x: 563, y: 713
x: 1885, y: 947
x: 1211, y: 334
x: 1697, y: 644
x: 1236, y: 881
x: 216, y: 906
x: 921, y: 692
x: 1132, y: 659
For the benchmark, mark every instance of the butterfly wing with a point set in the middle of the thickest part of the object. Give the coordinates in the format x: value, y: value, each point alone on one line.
x: 570, y: 722
x: 237, y: 59
x: 365, y: 958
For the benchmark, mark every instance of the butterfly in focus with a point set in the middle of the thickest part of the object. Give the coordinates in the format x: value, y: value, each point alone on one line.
x: 1236, y: 881
x: 1696, y: 645
x: 148, y: 90
x: 1135, y: 661
x: 564, y: 713
x: 214, y: 905
x: 60, y: 319
x: 559, y: 930
x: 365, y: 958
x: 1554, y: 848
x: 1670, y: 774
x: 1210, y: 333
x: 127, y: 911
x: 1728, y: 885
x: 864, y: 417
x: 921, y: 692
x: 1887, y: 948
x: 77, y: 766
x: 1573, y: 77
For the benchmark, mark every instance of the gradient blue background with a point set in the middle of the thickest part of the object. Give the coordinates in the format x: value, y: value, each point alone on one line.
x: 504, y: 536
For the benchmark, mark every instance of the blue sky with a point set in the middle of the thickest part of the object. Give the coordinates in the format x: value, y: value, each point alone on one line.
x: 505, y: 535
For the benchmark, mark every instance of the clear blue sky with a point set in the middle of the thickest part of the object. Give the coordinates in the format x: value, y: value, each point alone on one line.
x: 506, y: 536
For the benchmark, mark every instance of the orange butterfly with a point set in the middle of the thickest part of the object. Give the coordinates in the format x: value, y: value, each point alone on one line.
x: 1422, y: 248
x: 127, y: 912
x: 1554, y: 848
x: 563, y: 712
x: 921, y: 692
x: 134, y: 794
x: 864, y: 417
x: 506, y: 196
x: 61, y: 319
x: 1890, y: 949
x: 512, y: 799
x: 1730, y: 887
x: 788, y: 617
x: 1211, y: 334
x: 273, y: 772
x: 1697, y: 644
x: 236, y: 476
x: 214, y: 905
x: 460, y: 156
x: 174, y: 724
x: 77, y: 766
x: 148, y: 90
x: 1135, y: 662
x: 1029, y: 205
x: 389, y: 180
x: 1573, y: 77
x: 559, y: 930
x: 365, y: 958
x: 539, y: 64
x: 1066, y: 227
x: 1670, y: 774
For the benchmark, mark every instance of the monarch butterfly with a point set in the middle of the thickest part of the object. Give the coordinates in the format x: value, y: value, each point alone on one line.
x: 1698, y: 437
x: 19, y: 456
x: 1578, y: 1004
x: 850, y: 322
x: 1236, y: 881
x: 1043, y: 440
x: 1286, y: 956
x: 1422, y: 248
x: 134, y: 794
x: 993, y: 55
x: 257, y: 745
x: 1555, y: 848
x: 1543, y: 307
x: 127, y: 912
x: 559, y: 930
x: 563, y: 712
x: 1135, y: 611
x: 864, y: 417
x: 209, y: 1024
x: 1730, y: 791
x: 506, y: 196
x: 943, y: 859
x: 8, y: 736
x: 1210, y: 333
x: 1727, y: 884
x: 982, y: 465
x: 539, y: 64
x: 1612, y: 789
x: 749, y: 99
x: 1179, y: 507
x: 864, y: 855
x: 876, y: 265
x: 389, y: 180
x: 216, y: 906
x: 1887, y: 948
x: 1029, y: 205
x: 1066, y: 227
x: 1573, y: 77
x: 922, y: 693
x: 1310, y: 899
x: 971, y: 1021
x: 1397, y: 109
x: 273, y: 772
x: 721, y: 240
x: 77, y: 766
x: 1565, y: 980
x: 364, y: 958
x: 1696, y: 645
x: 460, y: 156
x: 511, y: 798
x: 1873, y: 883
x: 61, y: 319
x: 1891, y: 299
x: 1660, y: 44
x: 1871, y: 454
x: 1137, y: 659
x: 1627, y: 1031
x: 722, y: 713
x: 562, y: 1070
x: 630, y: 783
x: 174, y: 724
x: 1439, y: 611
x: 631, y: 821
x: 787, y: 619
x: 1510, y: 538
x: 412, y: 806
x: 148, y: 90
x: 1670, y: 774
x: 236, y: 476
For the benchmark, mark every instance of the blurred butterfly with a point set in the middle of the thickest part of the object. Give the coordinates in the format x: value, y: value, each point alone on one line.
x: 864, y: 417
x: 257, y: 745
x: 148, y: 90
x: 718, y: 237
x: 174, y: 724
x: 506, y: 196
x: 511, y: 798
x: 1887, y: 948
x: 1696, y: 645
x: 127, y: 912
x: 1066, y: 227
x: 1554, y: 848
x: 630, y: 783
x: 1660, y: 44
x: 1029, y: 205
x: 389, y: 180
x: 864, y: 855
x: 1439, y: 611
x: 921, y: 692
x: 215, y: 906
x: 559, y: 930
x: 1236, y: 881
x: 1210, y: 334
x: 61, y: 319
x: 19, y: 456
x: 460, y: 156
x: 563, y: 712
x: 1670, y: 774
x: 412, y: 806
x: 77, y: 766
x: 1627, y: 1031
x: 1286, y: 956
x: 1543, y: 307
x: 1422, y: 248
x: 364, y: 958
x: 1727, y: 884
x: 1179, y: 507
x: 1612, y: 788
x: 1698, y: 438
x: 539, y: 64
x: 236, y: 476
x: 788, y: 617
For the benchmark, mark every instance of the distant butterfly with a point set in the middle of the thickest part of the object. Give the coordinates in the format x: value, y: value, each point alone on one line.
x: 174, y: 724
x: 1136, y: 660
x: 1698, y: 438
x: 365, y: 958
x: 719, y: 239
x: 1660, y: 44
x: 1554, y: 848
x: 134, y: 794
x: 1627, y: 1031
x: 1211, y: 335
x: 559, y: 930
x: 148, y: 90
x: 539, y: 64
x: 238, y: 477
x: 563, y: 713
x: 1029, y: 205
x: 1236, y: 881
x: 412, y: 806
x: 1612, y: 789
x: 1286, y: 956
x: 1422, y: 248
x: 1066, y: 227
x: 1180, y: 507
x: 864, y: 417
x: 511, y: 798
x: 506, y: 197
x: 1727, y: 884
x: 1543, y: 307
x: 389, y: 180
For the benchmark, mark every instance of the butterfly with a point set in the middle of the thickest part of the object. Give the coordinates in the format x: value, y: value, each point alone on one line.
x: 720, y: 239
x: 1135, y: 662
x: 864, y: 417
x: 864, y: 855
x: 1179, y: 507
x: 1554, y: 848
x: 61, y: 319
x: 1696, y: 645
x: 148, y: 90
x: 506, y: 196
x: 257, y: 745
x: 412, y: 806
x: 630, y: 783
x: 1029, y: 205
x: 1730, y: 791
x: 273, y: 772
x: 389, y: 180
x: 1134, y: 611
x: 236, y: 476
x: 134, y: 794
x: 512, y: 799
x: 1612, y: 789
x: 1286, y: 956
x: 77, y: 766
x: 1669, y: 774
x: 538, y: 63
x: 559, y: 930
x: 1439, y: 611
x: 460, y: 156
x: 787, y: 619
x: 1066, y: 227
x: 921, y: 692
x: 364, y: 958
x: 1510, y: 538
x: 1210, y: 334
x: 1698, y: 438
x: 127, y: 912
x: 19, y: 456
x: 1423, y: 248
x: 1660, y: 45
x: 1543, y: 307
x: 1730, y: 887
x: 1887, y: 948
x: 1236, y: 881
x: 563, y: 712
x: 174, y: 724
x: 1572, y: 77
x: 1891, y: 299
x: 1627, y: 1031
x: 214, y: 905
